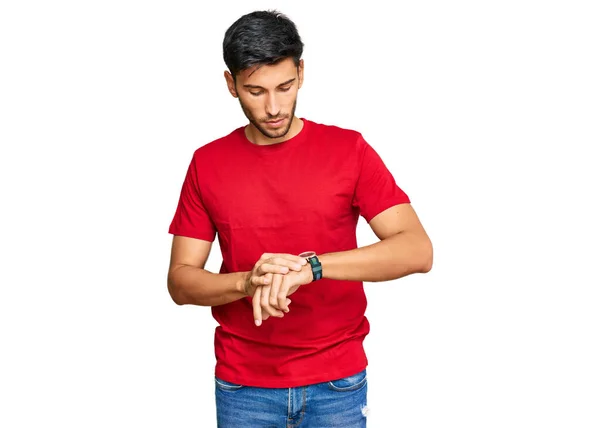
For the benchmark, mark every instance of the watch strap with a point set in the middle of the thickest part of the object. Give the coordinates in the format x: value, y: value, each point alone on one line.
x: 315, y: 264
x: 316, y: 267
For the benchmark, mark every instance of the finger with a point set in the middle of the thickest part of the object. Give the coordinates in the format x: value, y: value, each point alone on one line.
x: 291, y: 257
x: 265, y: 315
x: 256, y: 309
x: 269, y: 267
x: 282, y: 294
x: 275, y: 286
x: 283, y: 301
x: 291, y: 262
x: 279, y: 259
x: 265, y: 292
x: 266, y: 279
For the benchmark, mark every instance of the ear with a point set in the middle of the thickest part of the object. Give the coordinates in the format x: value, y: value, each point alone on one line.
x: 300, y: 73
x: 230, y: 84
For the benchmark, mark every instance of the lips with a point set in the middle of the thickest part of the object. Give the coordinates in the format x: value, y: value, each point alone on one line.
x: 275, y: 122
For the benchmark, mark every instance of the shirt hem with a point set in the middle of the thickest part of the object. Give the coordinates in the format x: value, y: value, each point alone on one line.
x: 296, y: 382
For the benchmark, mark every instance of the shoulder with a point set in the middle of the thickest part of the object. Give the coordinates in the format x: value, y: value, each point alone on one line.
x: 338, y: 137
x: 333, y: 131
x: 216, y: 149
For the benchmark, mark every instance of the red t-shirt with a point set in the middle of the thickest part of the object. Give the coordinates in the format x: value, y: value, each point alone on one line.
x: 305, y: 194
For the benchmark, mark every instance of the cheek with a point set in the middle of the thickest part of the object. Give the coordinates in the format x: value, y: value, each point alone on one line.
x: 251, y: 104
x: 288, y: 99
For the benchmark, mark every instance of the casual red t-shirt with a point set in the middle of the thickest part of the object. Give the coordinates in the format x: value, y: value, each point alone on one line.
x: 305, y: 194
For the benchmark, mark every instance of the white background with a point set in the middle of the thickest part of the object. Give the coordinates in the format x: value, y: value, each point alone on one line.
x: 487, y: 113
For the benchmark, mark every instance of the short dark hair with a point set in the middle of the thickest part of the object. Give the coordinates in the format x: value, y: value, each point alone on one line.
x: 261, y: 38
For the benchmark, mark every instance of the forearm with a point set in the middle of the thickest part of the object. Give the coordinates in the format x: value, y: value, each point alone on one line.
x: 391, y: 258
x: 195, y: 286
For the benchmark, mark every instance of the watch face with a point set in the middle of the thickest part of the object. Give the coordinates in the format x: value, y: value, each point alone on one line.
x: 307, y: 254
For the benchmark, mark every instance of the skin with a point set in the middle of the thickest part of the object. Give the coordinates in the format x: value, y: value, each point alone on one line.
x: 268, y: 93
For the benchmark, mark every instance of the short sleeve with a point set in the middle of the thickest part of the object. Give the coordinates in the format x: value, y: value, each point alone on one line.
x: 191, y: 217
x: 376, y: 189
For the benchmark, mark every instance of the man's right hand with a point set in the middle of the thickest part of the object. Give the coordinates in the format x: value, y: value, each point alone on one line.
x: 269, y: 264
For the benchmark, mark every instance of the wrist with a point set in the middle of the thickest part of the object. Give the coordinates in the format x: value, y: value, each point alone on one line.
x: 307, y: 273
x: 241, y: 284
x: 314, y: 264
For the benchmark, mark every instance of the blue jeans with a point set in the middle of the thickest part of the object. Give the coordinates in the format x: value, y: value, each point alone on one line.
x: 339, y: 403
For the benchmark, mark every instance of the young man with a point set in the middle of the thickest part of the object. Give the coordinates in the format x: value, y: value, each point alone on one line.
x: 284, y: 195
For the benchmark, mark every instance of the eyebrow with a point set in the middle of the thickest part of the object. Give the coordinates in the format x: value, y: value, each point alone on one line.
x: 260, y: 87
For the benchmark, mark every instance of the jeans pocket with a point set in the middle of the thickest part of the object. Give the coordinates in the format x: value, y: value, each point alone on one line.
x: 223, y: 385
x: 349, y: 383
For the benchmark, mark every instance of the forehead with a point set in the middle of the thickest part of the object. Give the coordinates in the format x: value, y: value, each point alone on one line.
x: 268, y: 75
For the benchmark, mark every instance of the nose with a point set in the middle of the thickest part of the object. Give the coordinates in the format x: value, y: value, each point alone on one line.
x: 272, y: 106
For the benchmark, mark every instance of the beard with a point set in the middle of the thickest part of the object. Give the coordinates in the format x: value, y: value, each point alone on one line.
x: 258, y: 123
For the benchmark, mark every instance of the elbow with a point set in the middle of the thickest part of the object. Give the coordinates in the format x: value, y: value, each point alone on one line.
x: 427, y: 265
x: 175, y: 291
x: 426, y: 259
x: 175, y: 294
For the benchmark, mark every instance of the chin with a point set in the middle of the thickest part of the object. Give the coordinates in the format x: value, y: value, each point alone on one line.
x: 279, y: 135
x: 281, y: 132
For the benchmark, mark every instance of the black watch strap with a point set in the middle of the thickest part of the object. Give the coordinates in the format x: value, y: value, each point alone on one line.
x: 315, y: 264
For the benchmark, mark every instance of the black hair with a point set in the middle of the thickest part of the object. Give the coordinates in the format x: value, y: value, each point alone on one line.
x: 261, y: 38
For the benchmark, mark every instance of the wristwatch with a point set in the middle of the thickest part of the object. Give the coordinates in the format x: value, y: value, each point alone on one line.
x: 315, y: 264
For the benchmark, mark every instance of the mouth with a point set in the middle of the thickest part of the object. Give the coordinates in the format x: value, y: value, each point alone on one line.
x: 275, y: 123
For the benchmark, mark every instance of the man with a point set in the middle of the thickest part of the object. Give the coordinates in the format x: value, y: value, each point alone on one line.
x: 289, y: 345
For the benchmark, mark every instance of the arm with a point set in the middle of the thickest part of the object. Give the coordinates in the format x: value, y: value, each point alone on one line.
x: 404, y: 248
x: 189, y: 283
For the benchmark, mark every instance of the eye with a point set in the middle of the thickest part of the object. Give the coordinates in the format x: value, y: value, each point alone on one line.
x: 256, y: 94
x: 285, y: 89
